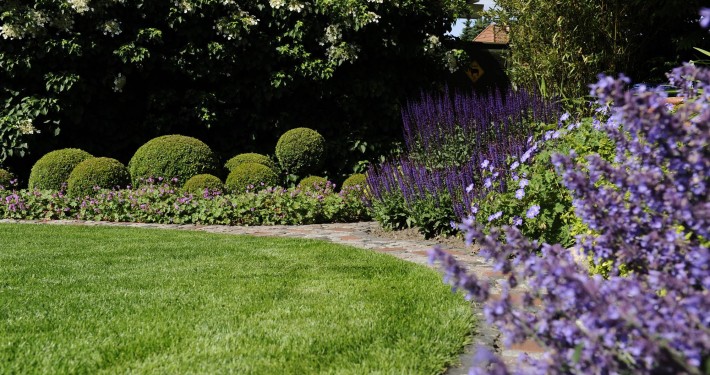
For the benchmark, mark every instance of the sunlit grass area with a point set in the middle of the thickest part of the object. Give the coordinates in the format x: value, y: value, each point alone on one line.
x: 79, y: 299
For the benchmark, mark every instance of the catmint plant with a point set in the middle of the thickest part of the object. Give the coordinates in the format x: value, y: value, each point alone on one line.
x: 650, y: 211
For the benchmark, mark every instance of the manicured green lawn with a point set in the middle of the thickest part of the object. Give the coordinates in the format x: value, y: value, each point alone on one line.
x: 99, y: 299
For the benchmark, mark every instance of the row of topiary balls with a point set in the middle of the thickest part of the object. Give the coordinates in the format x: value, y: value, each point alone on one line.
x: 188, y: 159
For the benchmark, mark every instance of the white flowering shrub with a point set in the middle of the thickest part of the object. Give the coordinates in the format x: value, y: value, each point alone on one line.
x: 114, y: 73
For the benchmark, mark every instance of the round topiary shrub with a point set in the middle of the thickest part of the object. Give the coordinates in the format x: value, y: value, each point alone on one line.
x: 357, y: 179
x: 106, y: 173
x: 250, y: 157
x: 313, y: 183
x: 301, y: 151
x: 54, y: 168
x: 172, y: 156
x: 250, y: 174
x: 5, y: 178
x: 198, y: 184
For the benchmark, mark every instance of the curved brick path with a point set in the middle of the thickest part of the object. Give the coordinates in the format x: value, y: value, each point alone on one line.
x: 360, y: 235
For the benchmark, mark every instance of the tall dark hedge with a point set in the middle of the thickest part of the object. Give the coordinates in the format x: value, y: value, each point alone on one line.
x: 108, y: 76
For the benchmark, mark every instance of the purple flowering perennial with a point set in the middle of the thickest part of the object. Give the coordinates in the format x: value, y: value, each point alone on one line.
x: 651, y: 212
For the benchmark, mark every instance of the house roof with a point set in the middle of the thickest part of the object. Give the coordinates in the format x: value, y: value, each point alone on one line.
x: 493, y: 34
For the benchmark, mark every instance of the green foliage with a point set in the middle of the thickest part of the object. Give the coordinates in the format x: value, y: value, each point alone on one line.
x: 560, y: 46
x: 198, y: 184
x: 356, y: 179
x: 556, y: 222
x: 113, y: 74
x: 431, y: 216
x: 250, y: 157
x: 313, y: 183
x: 97, y: 173
x: 301, y: 151
x: 54, y: 168
x: 392, y: 213
x: 5, y: 178
x: 172, y: 156
x: 250, y: 176
x: 165, y: 204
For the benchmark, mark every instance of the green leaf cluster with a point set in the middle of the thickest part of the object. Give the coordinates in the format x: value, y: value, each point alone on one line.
x: 556, y: 222
x: 93, y: 173
x: 165, y: 204
x: 560, y: 46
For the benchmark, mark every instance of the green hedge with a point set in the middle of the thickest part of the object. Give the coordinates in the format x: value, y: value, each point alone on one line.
x: 301, y: 151
x: 357, y: 179
x: 104, y: 173
x: 250, y: 176
x: 198, y: 184
x: 313, y: 183
x: 250, y: 157
x: 54, y: 168
x: 172, y: 156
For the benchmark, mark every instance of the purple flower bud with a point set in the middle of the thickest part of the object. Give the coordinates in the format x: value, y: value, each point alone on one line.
x: 704, y: 17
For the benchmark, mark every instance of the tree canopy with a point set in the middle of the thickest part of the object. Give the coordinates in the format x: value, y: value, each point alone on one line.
x: 560, y: 46
x: 110, y: 74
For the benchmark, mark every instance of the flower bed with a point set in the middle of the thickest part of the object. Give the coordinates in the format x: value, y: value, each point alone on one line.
x: 165, y: 204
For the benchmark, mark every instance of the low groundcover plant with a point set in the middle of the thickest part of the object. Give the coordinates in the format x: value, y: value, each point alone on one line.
x: 158, y: 201
x: 650, y: 211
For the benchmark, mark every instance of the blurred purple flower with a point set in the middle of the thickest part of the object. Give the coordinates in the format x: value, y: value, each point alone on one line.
x: 532, y: 211
x: 495, y: 216
x: 520, y: 193
x: 487, y: 183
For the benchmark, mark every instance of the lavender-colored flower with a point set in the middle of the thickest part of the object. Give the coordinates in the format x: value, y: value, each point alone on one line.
x: 565, y: 116
x: 532, y: 211
x: 704, y: 17
x: 485, y: 164
x: 469, y: 188
x: 517, y: 221
x: 651, y: 216
x: 519, y: 194
x: 495, y: 216
x: 514, y: 166
x: 523, y: 183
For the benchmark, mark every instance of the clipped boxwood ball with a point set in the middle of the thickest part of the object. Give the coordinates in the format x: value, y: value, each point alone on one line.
x: 248, y: 174
x: 5, y: 178
x: 354, y: 180
x: 54, y: 168
x: 106, y: 173
x: 198, y: 184
x: 301, y: 151
x: 249, y: 157
x: 313, y: 182
x: 172, y: 156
